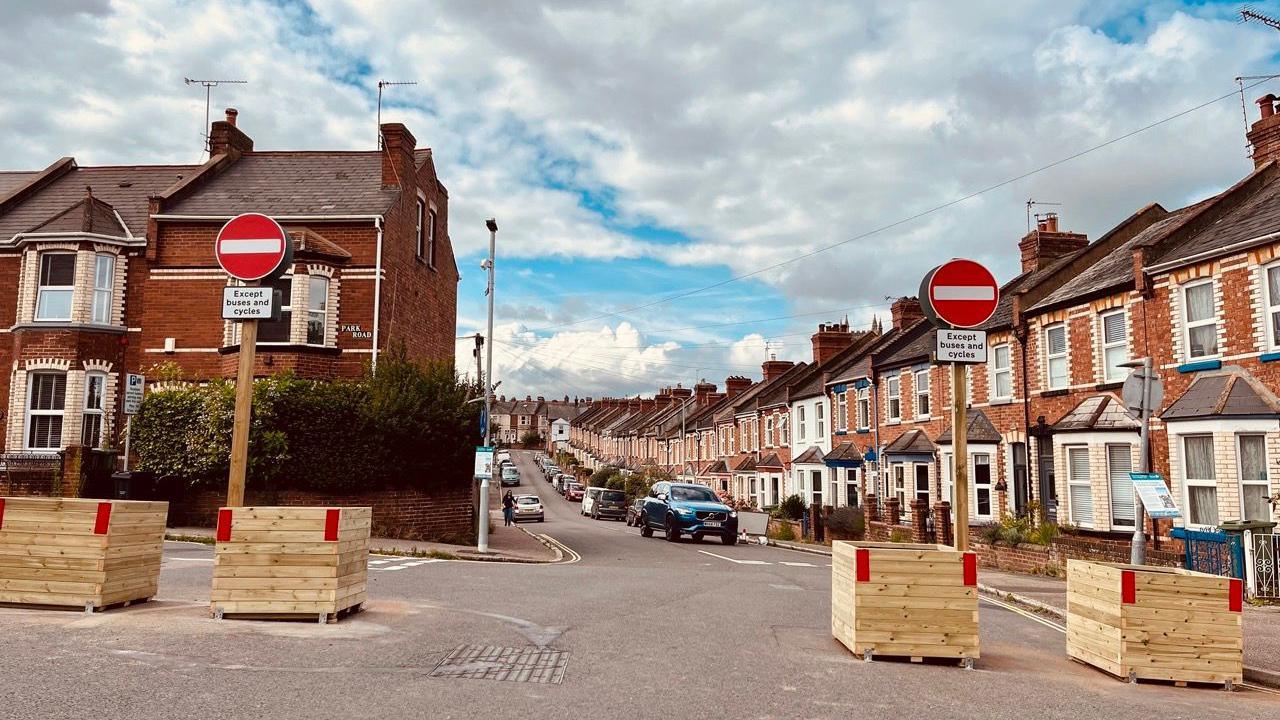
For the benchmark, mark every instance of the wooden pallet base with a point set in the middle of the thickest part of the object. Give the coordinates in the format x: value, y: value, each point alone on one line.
x: 871, y: 656
x: 1133, y: 679
x: 320, y: 618
x: 88, y: 608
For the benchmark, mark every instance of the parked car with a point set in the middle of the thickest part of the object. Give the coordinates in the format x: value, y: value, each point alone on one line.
x: 510, y: 476
x: 602, y: 502
x: 683, y: 508
x: 528, y: 507
x: 573, y: 492
x: 633, y: 512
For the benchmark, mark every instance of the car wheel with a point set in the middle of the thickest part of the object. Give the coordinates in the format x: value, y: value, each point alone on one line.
x: 672, y: 532
x: 645, y: 530
x: 541, y: 519
x: 728, y: 539
x: 697, y: 537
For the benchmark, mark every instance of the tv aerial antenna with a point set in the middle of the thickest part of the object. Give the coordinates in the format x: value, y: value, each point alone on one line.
x: 386, y: 84
x: 209, y: 85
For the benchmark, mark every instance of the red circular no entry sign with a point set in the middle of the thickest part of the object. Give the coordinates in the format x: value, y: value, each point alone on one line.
x: 961, y: 293
x: 251, y: 247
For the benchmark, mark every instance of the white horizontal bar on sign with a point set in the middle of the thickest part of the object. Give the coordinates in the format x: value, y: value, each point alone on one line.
x: 964, y: 292
x: 247, y: 246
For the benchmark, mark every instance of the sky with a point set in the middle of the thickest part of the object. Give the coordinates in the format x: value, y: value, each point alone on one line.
x: 706, y: 151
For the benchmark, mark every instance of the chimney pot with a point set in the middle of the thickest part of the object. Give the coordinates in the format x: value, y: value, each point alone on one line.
x: 231, y: 115
x: 1267, y: 104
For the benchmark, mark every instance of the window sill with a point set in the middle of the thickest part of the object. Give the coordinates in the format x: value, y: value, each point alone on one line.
x: 284, y: 347
x: 66, y: 325
x: 1110, y: 385
x: 1199, y: 365
x: 1001, y: 401
x: 923, y: 418
x: 1272, y: 356
x: 1054, y: 393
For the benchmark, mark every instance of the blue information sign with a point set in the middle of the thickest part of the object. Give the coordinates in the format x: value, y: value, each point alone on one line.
x: 1155, y: 495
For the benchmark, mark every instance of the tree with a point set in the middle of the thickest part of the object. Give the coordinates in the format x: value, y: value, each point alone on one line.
x: 531, y: 439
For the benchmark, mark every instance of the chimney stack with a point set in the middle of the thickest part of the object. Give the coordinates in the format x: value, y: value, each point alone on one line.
x: 398, y: 166
x: 1047, y: 243
x: 735, y: 384
x: 772, y: 368
x: 1264, y: 135
x: 704, y: 390
x: 829, y: 340
x: 906, y: 311
x: 225, y: 137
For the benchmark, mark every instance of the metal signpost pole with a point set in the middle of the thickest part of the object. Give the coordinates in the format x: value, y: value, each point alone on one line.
x: 128, y: 432
x: 1138, y: 548
x: 482, y: 540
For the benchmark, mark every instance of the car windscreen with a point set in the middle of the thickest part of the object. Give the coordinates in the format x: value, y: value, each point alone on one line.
x: 693, y: 493
x: 613, y: 496
x: 527, y: 500
x: 575, y: 486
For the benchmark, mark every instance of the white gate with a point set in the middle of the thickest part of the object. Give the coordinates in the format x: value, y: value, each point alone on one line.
x: 1266, y: 575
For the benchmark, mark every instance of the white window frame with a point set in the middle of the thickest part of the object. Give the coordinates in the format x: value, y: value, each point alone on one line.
x: 768, y: 431
x: 997, y: 371
x: 1111, y: 491
x: 419, y: 229
x: 1050, y: 357
x: 1266, y: 480
x: 986, y: 487
x: 30, y: 412
x: 893, y: 394
x: 286, y: 308
x: 784, y: 439
x: 103, y: 296
x: 431, y: 237
x: 864, y: 408
x: 1188, y: 482
x: 1188, y: 325
x: 41, y: 288
x: 1087, y: 482
x: 1106, y: 347
x: 820, y: 420
x: 88, y: 411
x: 322, y: 312
x: 899, y: 487
x: 842, y: 411
x: 800, y: 422
x: 1271, y: 309
x: 921, y: 393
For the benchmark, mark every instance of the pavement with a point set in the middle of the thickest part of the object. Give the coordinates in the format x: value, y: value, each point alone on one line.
x: 621, y: 627
x: 1049, y: 595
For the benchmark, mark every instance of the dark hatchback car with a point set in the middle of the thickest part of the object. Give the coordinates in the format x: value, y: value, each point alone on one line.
x: 682, y: 508
x: 609, y: 504
x: 633, y: 512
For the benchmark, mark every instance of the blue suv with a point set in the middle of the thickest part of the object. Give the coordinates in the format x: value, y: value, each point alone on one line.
x: 684, y: 508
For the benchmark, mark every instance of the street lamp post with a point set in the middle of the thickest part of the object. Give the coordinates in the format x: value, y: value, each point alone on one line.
x: 482, y: 535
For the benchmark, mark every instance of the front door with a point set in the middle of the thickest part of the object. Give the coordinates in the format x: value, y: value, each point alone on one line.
x: 922, y: 483
x: 1020, y: 488
x: 1048, y: 489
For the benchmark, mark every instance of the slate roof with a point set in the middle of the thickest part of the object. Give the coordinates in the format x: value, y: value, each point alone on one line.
x: 857, y: 365
x: 11, y: 180
x: 844, y: 451
x: 294, y: 183
x: 916, y: 345
x: 746, y: 463
x: 309, y: 242
x: 981, y: 430
x: 717, y: 468
x: 912, y: 442
x: 812, y: 456
x: 1253, y: 217
x: 124, y: 188
x: 776, y: 392
x: 809, y: 383
x: 770, y: 461
x: 1116, y: 267
x: 89, y: 215
x: 1100, y: 412
x: 1233, y: 393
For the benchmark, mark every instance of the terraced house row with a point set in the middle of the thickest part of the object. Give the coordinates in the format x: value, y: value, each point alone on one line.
x: 866, y: 419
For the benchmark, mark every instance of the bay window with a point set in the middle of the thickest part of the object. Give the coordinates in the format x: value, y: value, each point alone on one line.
x: 1079, y: 486
x: 46, y: 403
x: 1055, y: 354
x: 317, y: 308
x: 104, y: 273
x: 1200, y: 321
x: 1201, y: 479
x: 278, y: 331
x: 56, y: 286
x: 1115, y: 346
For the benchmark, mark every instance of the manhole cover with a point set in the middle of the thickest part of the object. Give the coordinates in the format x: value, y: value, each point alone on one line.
x: 491, y: 662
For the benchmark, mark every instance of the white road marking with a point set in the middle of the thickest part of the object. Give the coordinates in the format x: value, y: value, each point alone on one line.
x: 393, y: 567
x: 797, y: 564
x: 732, y: 560
x: 378, y: 562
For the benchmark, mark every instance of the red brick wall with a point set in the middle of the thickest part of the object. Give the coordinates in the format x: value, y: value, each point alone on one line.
x: 446, y: 515
x: 1052, y: 559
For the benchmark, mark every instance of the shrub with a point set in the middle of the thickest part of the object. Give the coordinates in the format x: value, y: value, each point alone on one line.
x: 600, y: 478
x: 783, y: 531
x: 791, y: 508
x: 531, y: 439
x: 848, y: 522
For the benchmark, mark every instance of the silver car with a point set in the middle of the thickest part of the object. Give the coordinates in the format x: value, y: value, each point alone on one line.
x: 528, y: 507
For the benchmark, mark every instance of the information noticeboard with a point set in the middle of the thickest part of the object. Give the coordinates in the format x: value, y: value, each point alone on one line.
x: 1155, y: 495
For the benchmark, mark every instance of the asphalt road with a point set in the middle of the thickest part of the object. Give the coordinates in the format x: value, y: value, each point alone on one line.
x: 648, y: 629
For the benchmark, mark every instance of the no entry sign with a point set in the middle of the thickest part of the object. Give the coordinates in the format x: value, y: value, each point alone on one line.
x: 252, y: 247
x: 960, y: 293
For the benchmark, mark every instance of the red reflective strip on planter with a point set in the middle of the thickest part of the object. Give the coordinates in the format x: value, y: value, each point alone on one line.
x: 862, y: 561
x: 103, y: 522
x: 1128, y: 587
x: 224, y: 525
x: 1, y: 512
x: 1235, y: 595
x: 331, y: 524
x: 970, y: 570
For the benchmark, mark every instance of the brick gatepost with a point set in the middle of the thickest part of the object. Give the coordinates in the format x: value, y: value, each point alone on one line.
x: 892, y: 511
x: 72, y: 470
x: 920, y: 522
x: 942, y: 523
x: 873, y: 508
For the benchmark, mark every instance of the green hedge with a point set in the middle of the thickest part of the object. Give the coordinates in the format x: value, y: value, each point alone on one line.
x: 407, y: 425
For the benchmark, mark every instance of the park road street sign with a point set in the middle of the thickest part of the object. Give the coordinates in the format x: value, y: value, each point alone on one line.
x: 960, y: 293
x: 252, y: 247
x: 134, y: 386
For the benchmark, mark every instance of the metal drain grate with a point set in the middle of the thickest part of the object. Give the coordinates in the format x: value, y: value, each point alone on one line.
x: 491, y: 662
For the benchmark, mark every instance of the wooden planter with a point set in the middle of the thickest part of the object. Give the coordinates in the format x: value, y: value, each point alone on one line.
x: 291, y: 562
x: 896, y: 599
x: 79, y: 553
x: 1155, y: 623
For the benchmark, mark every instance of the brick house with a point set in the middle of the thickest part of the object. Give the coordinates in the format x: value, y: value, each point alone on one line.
x: 110, y: 270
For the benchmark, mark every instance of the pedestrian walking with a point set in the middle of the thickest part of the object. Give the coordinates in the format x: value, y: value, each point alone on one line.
x: 508, y: 509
